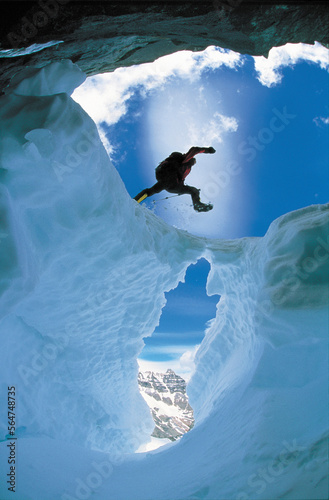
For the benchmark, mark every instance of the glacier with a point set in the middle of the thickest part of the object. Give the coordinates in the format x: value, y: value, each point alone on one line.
x: 84, y: 271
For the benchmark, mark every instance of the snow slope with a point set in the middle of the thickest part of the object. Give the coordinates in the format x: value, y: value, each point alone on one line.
x: 84, y: 270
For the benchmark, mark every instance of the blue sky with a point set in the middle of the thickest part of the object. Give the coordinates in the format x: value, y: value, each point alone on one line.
x: 182, y: 323
x: 268, y: 121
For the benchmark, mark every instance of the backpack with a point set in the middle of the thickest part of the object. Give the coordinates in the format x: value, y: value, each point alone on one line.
x: 168, y: 168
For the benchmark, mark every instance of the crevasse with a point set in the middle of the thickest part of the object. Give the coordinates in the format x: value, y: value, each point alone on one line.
x: 84, y: 270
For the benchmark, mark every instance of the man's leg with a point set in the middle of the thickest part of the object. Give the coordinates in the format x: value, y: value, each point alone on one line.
x: 185, y: 189
x: 195, y: 195
x: 157, y: 188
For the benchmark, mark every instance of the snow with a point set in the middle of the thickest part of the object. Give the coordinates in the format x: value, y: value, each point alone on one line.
x: 153, y: 444
x: 164, y: 409
x: 84, y: 270
x: 35, y: 47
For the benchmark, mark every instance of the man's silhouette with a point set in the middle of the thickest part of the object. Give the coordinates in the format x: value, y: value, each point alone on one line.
x: 171, y: 173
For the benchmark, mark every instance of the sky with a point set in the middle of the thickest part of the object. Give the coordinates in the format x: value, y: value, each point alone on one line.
x: 268, y: 120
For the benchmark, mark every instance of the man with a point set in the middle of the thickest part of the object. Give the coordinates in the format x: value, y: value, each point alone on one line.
x: 171, y: 173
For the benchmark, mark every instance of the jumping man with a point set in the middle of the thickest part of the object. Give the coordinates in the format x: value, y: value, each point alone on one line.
x: 171, y: 173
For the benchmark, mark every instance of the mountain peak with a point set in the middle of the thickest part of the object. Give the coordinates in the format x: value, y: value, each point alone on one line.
x: 165, y: 394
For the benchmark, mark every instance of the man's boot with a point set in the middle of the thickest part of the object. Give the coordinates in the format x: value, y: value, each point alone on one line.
x: 202, y: 207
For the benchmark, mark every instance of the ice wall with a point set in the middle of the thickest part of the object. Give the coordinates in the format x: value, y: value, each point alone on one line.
x: 81, y: 281
x: 83, y: 275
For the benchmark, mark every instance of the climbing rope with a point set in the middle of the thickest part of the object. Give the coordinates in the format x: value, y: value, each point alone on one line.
x: 167, y: 197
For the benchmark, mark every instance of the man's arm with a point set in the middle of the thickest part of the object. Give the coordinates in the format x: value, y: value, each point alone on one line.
x: 194, y: 150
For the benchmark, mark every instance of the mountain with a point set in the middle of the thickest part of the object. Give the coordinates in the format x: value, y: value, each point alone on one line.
x: 165, y: 393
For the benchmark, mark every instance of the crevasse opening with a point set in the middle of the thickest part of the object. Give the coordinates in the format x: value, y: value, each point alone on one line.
x: 167, y: 361
x: 86, y: 282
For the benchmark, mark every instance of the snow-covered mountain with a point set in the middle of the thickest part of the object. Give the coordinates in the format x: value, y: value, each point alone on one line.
x: 165, y: 394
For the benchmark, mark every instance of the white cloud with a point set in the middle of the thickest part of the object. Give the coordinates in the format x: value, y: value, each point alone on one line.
x: 321, y: 120
x: 182, y: 362
x: 210, y: 131
x: 187, y: 359
x: 105, y: 96
x: 269, y: 70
